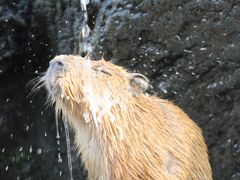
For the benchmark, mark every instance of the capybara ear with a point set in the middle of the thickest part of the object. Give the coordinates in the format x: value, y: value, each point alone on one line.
x: 138, y: 80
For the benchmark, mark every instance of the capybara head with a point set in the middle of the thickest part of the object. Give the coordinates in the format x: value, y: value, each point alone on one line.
x: 94, y: 85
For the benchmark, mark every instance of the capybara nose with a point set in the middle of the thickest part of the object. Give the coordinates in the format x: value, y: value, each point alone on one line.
x: 56, y: 64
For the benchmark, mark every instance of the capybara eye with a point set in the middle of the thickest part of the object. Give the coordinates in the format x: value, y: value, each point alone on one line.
x: 103, y: 70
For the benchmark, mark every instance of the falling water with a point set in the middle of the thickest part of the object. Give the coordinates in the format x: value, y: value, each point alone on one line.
x: 84, y: 47
x: 56, y: 121
x: 57, y: 115
x: 68, y: 147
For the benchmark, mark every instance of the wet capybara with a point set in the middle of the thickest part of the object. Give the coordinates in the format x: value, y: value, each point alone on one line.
x: 120, y: 132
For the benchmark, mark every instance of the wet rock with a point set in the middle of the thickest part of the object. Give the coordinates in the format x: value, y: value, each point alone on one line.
x: 12, y: 27
x: 190, y: 51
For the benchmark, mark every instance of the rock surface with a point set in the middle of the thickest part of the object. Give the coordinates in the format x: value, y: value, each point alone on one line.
x: 189, y: 49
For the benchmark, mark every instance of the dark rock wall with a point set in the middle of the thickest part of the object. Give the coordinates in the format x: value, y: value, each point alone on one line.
x: 190, y: 50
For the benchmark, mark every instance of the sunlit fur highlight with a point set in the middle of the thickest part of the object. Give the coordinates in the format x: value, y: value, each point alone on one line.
x: 122, y: 134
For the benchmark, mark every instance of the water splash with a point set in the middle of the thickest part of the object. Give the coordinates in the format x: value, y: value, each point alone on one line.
x: 84, y: 47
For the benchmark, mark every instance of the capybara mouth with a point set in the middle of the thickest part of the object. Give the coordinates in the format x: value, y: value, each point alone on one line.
x: 53, y: 86
x: 53, y: 76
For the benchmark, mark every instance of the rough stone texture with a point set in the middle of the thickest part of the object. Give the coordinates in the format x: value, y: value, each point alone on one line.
x: 190, y: 50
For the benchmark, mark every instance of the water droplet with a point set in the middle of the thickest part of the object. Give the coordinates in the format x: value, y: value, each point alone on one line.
x: 163, y: 87
x: 6, y: 168
x: 39, y: 151
x: 187, y: 51
x: 59, y: 158
x: 86, y: 117
x: 20, y: 149
x: 27, y: 127
x: 203, y: 49
x: 30, y: 149
x: 58, y: 142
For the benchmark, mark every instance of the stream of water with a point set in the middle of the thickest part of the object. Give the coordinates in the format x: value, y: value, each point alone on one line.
x: 84, y: 47
x: 68, y: 147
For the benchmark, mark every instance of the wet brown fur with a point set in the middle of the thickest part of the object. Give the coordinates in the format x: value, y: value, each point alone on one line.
x: 148, y: 137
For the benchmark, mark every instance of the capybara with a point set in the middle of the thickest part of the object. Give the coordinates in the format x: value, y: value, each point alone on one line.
x: 120, y: 132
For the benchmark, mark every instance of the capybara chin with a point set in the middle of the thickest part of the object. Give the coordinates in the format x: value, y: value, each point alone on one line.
x: 121, y: 133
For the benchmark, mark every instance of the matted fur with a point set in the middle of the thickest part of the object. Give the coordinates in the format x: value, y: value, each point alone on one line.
x: 120, y: 132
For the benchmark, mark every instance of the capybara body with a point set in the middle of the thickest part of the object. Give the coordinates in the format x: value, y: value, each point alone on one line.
x: 121, y: 133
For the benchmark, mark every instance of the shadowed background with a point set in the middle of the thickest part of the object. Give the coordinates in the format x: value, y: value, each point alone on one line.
x: 190, y: 50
